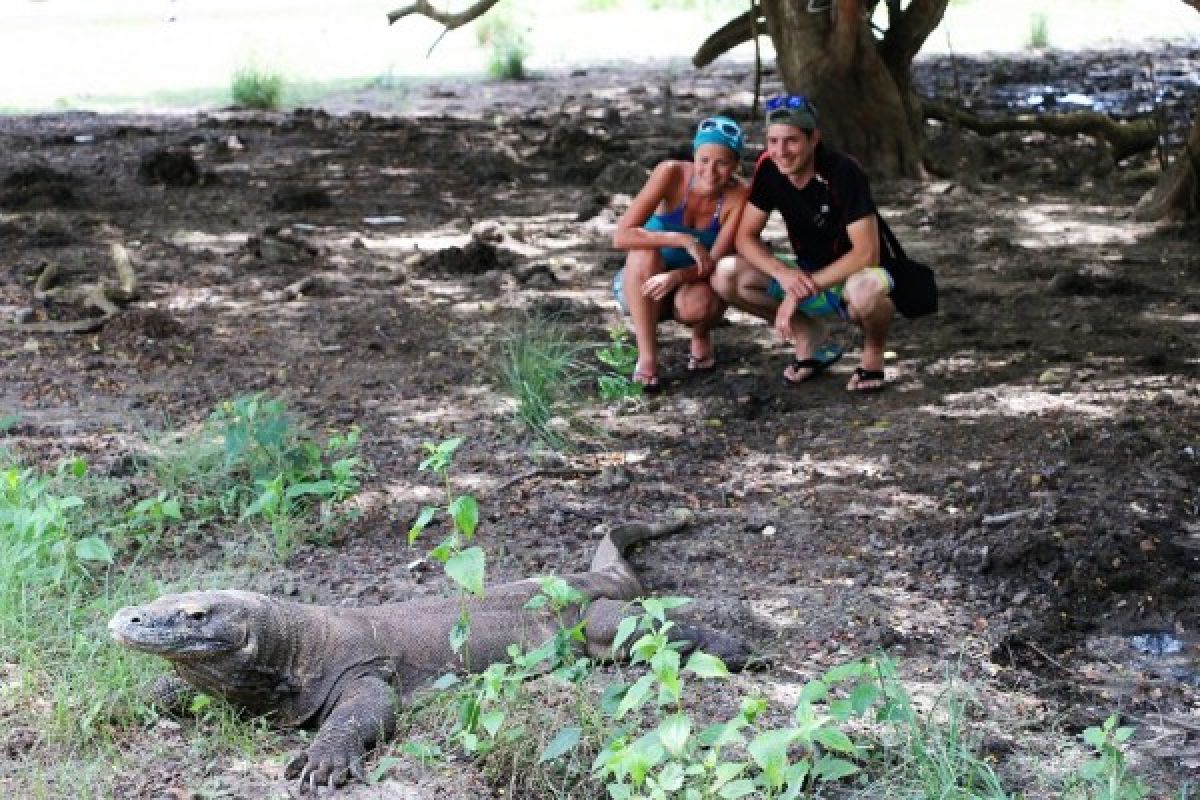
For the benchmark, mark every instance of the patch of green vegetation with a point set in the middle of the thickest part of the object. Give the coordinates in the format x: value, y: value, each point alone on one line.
x: 620, y: 357
x: 507, y: 43
x: 75, y: 547
x: 542, y: 369
x: 1039, y: 31
x: 256, y: 87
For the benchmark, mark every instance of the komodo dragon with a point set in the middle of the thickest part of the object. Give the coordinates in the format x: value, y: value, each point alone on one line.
x: 346, y: 669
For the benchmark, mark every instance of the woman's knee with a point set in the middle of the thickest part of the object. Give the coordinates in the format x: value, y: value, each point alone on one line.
x: 641, y: 264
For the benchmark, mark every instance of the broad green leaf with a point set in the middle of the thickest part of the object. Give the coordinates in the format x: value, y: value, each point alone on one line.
x: 465, y: 513
x: 1094, y: 737
x: 707, y: 666
x: 813, y: 691
x: 446, y: 681
x: 491, y: 721
x: 737, y: 789
x: 625, y: 629
x: 674, y: 732
x: 382, y: 768
x: 835, y: 740
x: 93, y: 548
x: 863, y: 697
x: 421, y: 523
x: 636, y: 696
x: 769, y: 751
x: 842, y: 672
x: 829, y: 768
x: 670, y: 778
x: 466, y: 568
x: 564, y: 741
x: 610, y: 701
x: 171, y: 510
x: 421, y: 750
x: 619, y: 791
x: 321, y: 488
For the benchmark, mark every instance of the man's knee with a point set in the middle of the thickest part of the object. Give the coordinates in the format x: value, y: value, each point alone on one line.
x: 725, y: 276
x: 865, y: 292
x: 697, y: 303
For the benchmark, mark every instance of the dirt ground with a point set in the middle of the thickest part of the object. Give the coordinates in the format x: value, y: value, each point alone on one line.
x: 1021, y: 500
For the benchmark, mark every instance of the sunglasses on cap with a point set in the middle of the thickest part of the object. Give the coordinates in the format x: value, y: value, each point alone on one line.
x: 725, y: 126
x: 789, y: 102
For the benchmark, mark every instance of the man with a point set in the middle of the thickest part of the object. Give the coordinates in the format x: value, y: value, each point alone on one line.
x: 846, y: 264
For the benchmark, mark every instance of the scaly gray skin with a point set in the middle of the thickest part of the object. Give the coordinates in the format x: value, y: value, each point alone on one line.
x: 347, y: 669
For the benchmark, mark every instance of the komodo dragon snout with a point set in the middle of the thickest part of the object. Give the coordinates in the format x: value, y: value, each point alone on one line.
x: 186, y: 626
x: 347, y: 669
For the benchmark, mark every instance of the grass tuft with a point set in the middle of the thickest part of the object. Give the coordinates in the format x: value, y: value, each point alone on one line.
x: 256, y: 87
x: 542, y: 371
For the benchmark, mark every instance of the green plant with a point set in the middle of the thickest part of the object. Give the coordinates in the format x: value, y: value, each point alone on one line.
x: 1039, y: 30
x: 1106, y: 776
x: 255, y: 87
x: 542, y: 371
x: 466, y: 566
x: 620, y: 356
x: 930, y: 753
x: 507, y: 43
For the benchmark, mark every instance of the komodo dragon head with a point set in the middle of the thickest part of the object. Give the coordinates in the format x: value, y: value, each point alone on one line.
x: 221, y: 642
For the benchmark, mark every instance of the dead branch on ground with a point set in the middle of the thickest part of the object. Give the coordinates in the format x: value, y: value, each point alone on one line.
x: 1125, y: 138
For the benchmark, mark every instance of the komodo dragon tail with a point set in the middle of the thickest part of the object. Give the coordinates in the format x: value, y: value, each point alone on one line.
x: 612, y: 548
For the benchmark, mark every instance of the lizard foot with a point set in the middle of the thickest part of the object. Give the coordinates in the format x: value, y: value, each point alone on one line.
x: 728, y: 648
x: 324, y: 766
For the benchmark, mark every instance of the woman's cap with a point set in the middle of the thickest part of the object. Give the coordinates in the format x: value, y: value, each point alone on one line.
x: 719, y: 130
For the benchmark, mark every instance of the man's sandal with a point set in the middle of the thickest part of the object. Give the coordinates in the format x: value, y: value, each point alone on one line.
x: 866, y: 376
x: 825, y: 357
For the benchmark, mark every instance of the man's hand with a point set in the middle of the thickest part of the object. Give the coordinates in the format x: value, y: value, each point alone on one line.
x: 798, y: 284
x: 659, y: 286
x: 783, y: 317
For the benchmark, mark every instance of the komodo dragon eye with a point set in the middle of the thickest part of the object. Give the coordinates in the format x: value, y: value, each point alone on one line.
x: 196, y: 614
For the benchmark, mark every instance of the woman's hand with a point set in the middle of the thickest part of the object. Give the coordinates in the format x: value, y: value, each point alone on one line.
x: 659, y: 286
x: 703, y: 258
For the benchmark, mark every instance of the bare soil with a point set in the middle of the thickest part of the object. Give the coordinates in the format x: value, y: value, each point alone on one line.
x: 1023, y: 497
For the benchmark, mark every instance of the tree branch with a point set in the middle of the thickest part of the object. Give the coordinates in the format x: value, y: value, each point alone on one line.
x: 742, y: 28
x: 1125, y: 138
x: 847, y: 16
x: 1193, y: 3
x: 449, y: 20
x: 908, y: 29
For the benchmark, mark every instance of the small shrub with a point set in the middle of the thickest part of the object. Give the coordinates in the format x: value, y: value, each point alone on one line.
x: 620, y: 356
x: 254, y: 87
x: 1039, y: 31
x: 542, y: 370
x: 508, y: 46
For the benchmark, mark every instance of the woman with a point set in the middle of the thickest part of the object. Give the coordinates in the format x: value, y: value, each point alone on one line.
x: 681, y: 222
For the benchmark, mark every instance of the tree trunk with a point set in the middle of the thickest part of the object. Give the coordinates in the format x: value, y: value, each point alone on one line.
x: 832, y: 57
x: 1177, y: 195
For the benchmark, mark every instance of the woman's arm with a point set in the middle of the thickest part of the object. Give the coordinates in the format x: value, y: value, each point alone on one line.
x: 630, y: 235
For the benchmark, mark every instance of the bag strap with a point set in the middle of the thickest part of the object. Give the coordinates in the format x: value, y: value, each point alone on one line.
x: 890, y: 239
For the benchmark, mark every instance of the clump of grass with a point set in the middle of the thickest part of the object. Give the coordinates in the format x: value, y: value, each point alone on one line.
x: 542, y: 371
x: 1039, y: 31
x: 257, y: 87
x: 507, y: 43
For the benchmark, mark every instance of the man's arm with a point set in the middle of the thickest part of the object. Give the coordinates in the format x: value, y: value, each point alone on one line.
x: 750, y: 247
x: 863, y: 252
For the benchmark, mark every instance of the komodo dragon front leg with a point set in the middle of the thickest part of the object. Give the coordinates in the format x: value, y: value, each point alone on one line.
x: 364, y: 715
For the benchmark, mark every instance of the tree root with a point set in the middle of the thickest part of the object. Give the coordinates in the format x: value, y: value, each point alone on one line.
x: 1124, y: 138
x: 101, y: 296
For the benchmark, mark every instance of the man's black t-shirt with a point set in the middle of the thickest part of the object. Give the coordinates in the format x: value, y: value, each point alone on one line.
x: 817, y: 215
